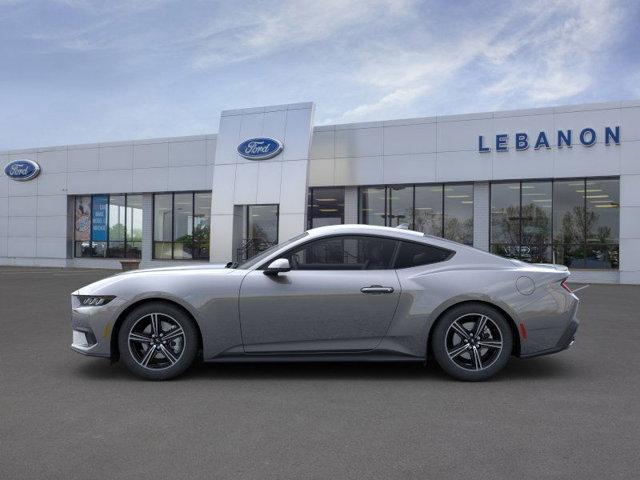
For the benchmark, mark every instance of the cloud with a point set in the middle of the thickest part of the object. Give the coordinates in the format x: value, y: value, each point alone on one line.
x: 541, y: 53
x: 120, y: 69
x: 552, y: 61
x: 288, y: 24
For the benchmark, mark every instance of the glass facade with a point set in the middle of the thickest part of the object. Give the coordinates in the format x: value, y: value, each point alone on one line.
x: 373, y: 203
x: 262, y: 225
x: 181, y: 225
x: 572, y: 222
x: 108, y: 226
x: 325, y: 206
x: 443, y: 210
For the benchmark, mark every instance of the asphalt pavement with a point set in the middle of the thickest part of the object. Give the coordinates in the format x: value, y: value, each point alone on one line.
x: 573, y: 415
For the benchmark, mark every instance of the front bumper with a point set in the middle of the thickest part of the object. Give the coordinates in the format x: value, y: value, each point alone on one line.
x: 92, y: 327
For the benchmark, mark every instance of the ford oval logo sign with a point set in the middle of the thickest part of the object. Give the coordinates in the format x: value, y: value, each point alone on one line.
x: 260, y: 148
x: 22, y: 170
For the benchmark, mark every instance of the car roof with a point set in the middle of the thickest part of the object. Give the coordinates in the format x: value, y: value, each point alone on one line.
x: 359, y: 229
x: 397, y: 233
x: 478, y: 256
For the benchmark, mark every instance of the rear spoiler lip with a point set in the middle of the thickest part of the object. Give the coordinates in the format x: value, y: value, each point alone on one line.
x: 563, y: 269
x: 555, y: 266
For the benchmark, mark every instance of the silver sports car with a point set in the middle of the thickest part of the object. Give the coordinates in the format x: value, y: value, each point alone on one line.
x: 347, y: 293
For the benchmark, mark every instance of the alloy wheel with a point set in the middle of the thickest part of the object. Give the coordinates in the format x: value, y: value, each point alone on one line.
x: 473, y: 341
x: 156, y: 341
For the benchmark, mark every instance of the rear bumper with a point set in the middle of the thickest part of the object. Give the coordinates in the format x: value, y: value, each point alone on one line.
x: 565, y: 341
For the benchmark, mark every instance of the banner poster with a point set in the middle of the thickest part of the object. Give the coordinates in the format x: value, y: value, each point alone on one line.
x: 99, y: 218
x: 83, y: 219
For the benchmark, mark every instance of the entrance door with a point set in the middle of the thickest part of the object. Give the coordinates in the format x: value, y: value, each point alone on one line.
x: 341, y: 295
x: 262, y: 227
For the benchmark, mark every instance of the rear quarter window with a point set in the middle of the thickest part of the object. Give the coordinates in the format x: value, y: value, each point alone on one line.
x: 416, y: 254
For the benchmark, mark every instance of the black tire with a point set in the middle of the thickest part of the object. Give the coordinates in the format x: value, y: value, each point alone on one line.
x: 475, y: 357
x: 171, y: 356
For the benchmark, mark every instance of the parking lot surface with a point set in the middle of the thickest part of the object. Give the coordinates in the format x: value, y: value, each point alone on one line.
x: 575, y: 414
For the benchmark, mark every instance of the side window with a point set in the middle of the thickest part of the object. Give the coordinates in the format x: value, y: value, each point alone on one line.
x: 415, y: 254
x: 344, y: 253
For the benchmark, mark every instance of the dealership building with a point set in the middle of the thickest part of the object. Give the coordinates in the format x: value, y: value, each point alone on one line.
x: 559, y: 184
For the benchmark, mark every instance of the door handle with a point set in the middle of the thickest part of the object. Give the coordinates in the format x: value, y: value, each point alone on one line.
x: 376, y: 289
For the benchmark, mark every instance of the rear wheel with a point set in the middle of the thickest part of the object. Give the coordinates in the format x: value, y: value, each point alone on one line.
x: 158, y: 341
x: 472, y: 342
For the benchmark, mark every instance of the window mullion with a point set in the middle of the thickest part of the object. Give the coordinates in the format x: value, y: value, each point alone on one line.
x: 442, y: 210
x: 520, y: 224
x: 585, y: 219
x: 126, y: 199
x: 173, y: 222
x: 413, y: 208
x: 193, y: 223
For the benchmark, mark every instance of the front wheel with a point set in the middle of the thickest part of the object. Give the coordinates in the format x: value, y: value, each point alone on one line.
x: 472, y: 342
x: 157, y: 341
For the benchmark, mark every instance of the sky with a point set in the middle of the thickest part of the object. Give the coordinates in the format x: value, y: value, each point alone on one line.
x: 80, y: 71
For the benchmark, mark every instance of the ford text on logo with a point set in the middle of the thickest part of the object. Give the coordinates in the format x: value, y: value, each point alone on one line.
x: 22, y: 170
x: 565, y: 138
x: 260, y: 148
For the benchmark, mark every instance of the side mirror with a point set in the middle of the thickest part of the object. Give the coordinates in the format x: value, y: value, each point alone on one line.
x: 277, y: 266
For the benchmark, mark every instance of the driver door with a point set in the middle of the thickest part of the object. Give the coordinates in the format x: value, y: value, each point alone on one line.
x: 340, y: 295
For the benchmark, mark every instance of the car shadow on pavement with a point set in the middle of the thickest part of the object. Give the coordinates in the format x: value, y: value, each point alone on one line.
x: 517, y: 369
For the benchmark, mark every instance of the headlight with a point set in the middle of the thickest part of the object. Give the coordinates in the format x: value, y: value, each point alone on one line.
x: 94, y: 300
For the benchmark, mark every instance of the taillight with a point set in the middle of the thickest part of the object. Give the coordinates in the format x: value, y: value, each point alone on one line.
x: 564, y: 285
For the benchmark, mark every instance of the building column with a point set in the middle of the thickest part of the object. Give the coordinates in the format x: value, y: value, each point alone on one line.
x: 147, y: 227
x: 629, y: 267
x: 350, y: 205
x: 481, y: 212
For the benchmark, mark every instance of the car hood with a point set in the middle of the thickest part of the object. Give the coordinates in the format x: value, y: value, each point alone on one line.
x: 107, y: 286
x: 176, y: 268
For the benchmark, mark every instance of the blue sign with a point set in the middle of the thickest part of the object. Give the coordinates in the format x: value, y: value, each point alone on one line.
x: 587, y: 137
x: 99, y: 205
x: 22, y: 170
x: 260, y: 148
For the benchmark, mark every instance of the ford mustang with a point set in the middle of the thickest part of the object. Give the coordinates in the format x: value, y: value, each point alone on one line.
x: 342, y: 293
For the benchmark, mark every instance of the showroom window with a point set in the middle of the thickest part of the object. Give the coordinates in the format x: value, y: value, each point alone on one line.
x: 443, y: 210
x: 181, y: 225
x: 570, y: 222
x: 325, y: 206
x: 108, y: 226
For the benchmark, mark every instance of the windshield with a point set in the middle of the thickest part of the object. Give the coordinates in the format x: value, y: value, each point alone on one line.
x: 264, y: 254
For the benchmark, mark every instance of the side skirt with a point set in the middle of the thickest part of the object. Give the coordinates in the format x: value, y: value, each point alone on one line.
x: 381, y: 356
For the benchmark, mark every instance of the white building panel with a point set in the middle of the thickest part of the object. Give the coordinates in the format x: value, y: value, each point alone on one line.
x: 22, y: 227
x: 52, y: 226
x: 188, y: 153
x: 358, y: 142
x: 53, y: 161
x: 51, y: 205
x: 407, y: 168
x: 22, y: 246
x: 322, y: 144
x: 52, y: 183
x: 22, y: 207
x: 151, y: 155
x: 359, y: 171
x: 410, y: 139
x: 116, y: 157
x: 81, y: 159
